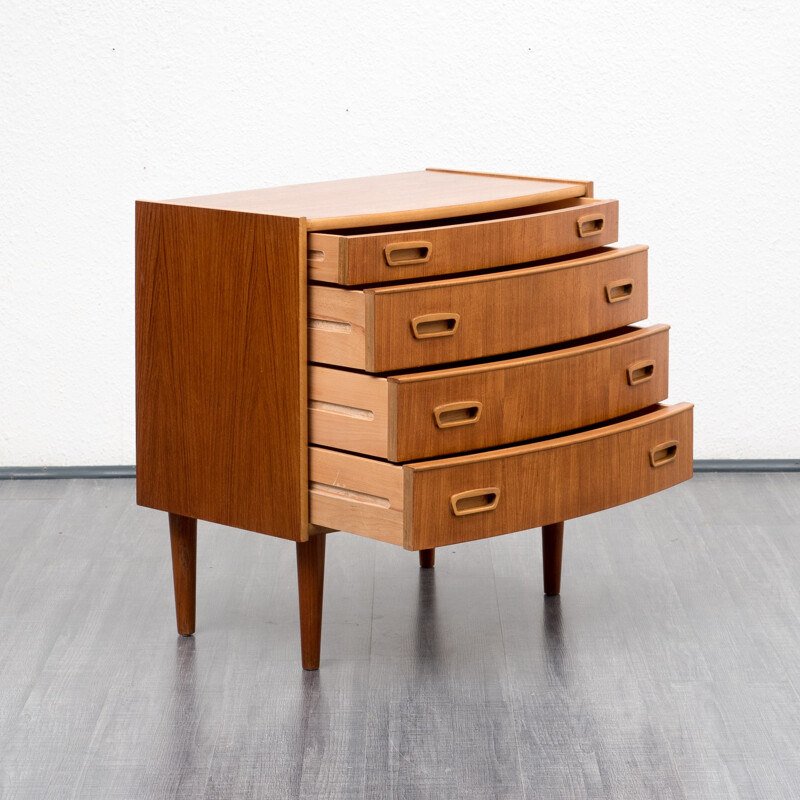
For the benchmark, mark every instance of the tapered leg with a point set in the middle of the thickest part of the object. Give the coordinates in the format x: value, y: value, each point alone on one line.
x: 427, y: 558
x: 552, y: 543
x: 310, y: 581
x: 183, y: 536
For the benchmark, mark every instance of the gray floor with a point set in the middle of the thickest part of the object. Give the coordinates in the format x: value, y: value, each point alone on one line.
x: 669, y: 667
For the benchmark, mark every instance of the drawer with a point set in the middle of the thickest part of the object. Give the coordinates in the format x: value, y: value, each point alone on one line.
x: 439, y: 247
x: 458, y: 499
x: 439, y: 412
x: 388, y: 328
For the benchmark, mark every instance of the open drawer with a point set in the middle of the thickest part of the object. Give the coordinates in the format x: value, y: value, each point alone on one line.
x: 387, y: 328
x: 449, y: 500
x: 460, y: 244
x: 443, y: 411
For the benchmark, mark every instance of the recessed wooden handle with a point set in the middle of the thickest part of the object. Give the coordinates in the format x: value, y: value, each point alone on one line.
x: 474, y: 501
x: 454, y: 414
x: 617, y: 291
x: 430, y: 325
x: 591, y: 225
x: 640, y: 371
x: 400, y: 254
x: 663, y: 453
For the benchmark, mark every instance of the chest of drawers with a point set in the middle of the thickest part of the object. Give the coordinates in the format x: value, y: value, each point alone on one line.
x: 424, y: 358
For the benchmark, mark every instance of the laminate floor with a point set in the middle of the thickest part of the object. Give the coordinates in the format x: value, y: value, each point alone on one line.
x: 668, y: 668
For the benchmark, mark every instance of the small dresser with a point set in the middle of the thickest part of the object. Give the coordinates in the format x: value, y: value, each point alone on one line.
x: 424, y: 358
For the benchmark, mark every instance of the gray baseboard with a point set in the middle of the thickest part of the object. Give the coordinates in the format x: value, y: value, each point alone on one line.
x: 39, y: 473
x: 129, y: 471
x: 747, y: 465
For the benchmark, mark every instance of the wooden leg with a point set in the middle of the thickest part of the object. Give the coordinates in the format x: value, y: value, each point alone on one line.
x: 183, y: 536
x: 310, y: 581
x: 552, y: 543
x: 427, y: 558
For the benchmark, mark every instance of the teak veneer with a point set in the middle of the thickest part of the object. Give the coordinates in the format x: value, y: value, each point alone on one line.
x: 409, y: 416
x: 455, y: 345
x: 418, y: 324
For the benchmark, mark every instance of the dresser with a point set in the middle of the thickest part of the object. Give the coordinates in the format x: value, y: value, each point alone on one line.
x: 424, y: 358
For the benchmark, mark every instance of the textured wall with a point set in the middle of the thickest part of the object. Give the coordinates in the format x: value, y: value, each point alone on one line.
x: 685, y: 111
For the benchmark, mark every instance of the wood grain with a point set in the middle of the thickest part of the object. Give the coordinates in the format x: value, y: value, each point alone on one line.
x: 221, y: 405
x: 529, y: 397
x: 337, y: 326
x: 546, y: 482
x: 348, y: 410
x: 388, y: 199
x: 521, y: 398
x: 310, y: 584
x: 538, y: 306
x: 589, y: 185
x: 356, y: 494
x: 183, y: 539
x: 538, y: 483
x: 532, y: 300
x: 458, y: 245
x: 552, y: 549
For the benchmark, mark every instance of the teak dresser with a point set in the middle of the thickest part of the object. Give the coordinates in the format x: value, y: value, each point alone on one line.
x: 423, y: 358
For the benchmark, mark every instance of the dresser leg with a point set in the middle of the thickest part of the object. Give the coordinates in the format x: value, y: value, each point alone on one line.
x: 310, y: 581
x: 552, y: 543
x: 183, y: 537
x: 427, y: 558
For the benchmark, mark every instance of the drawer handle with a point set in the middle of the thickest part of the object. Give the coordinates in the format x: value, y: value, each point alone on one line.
x: 402, y: 253
x: 429, y: 326
x: 475, y: 501
x: 454, y: 414
x: 640, y: 372
x: 663, y: 453
x: 619, y: 290
x: 591, y: 225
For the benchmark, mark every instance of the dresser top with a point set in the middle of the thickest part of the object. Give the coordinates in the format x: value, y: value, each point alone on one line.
x: 388, y: 199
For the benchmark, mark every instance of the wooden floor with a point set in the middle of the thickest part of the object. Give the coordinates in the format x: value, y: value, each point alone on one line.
x: 668, y: 668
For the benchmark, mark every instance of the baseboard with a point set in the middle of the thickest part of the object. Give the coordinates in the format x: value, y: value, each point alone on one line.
x: 39, y: 473
x: 747, y: 465
x: 129, y: 471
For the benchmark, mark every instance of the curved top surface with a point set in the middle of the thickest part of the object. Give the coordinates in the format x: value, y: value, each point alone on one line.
x: 385, y: 199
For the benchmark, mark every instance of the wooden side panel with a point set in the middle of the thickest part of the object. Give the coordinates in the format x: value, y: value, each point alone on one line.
x: 541, y: 484
x: 337, y: 326
x: 221, y: 409
x: 510, y: 311
x: 550, y: 232
x: 530, y: 397
x: 356, y: 494
x: 348, y: 410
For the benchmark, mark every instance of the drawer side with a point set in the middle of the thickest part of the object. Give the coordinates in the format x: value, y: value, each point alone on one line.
x: 356, y: 494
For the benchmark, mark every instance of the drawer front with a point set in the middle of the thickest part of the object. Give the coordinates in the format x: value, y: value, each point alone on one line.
x: 459, y: 499
x: 549, y: 482
x: 464, y: 409
x: 436, y: 413
x: 422, y: 324
x: 465, y: 319
x: 493, y: 240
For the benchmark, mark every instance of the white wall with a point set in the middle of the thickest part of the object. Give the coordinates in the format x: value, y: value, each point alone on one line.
x: 686, y: 111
